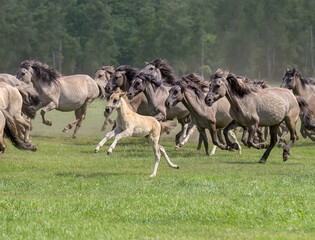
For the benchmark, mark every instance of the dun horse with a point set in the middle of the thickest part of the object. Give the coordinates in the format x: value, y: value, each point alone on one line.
x: 11, y: 101
x: 190, y: 91
x: 252, y: 107
x: 128, y: 123
x: 304, y: 89
x: 63, y: 93
x: 8, y: 126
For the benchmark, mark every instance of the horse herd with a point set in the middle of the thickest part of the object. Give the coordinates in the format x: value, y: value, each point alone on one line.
x: 145, y: 99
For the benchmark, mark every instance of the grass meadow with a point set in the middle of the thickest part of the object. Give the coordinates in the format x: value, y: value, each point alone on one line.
x: 65, y: 191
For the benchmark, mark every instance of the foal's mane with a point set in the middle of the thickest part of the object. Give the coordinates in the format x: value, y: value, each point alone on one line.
x: 297, y: 73
x: 166, y: 70
x: 42, y: 71
x: 131, y: 72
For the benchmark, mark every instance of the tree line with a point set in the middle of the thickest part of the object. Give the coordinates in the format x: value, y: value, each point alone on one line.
x: 259, y: 39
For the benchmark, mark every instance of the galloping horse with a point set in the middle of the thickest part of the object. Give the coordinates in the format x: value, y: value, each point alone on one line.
x: 190, y: 91
x: 8, y: 126
x: 102, y: 76
x: 63, y: 93
x: 128, y: 123
x: 252, y: 107
x: 11, y: 101
x: 304, y: 89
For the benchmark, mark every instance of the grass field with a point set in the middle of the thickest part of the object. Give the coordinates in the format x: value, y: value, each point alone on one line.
x: 65, y: 191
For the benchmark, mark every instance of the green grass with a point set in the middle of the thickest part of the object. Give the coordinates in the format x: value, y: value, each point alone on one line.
x: 65, y: 191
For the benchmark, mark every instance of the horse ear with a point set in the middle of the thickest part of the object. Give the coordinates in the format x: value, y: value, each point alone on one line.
x: 293, y: 70
x: 146, y: 63
x: 122, y: 94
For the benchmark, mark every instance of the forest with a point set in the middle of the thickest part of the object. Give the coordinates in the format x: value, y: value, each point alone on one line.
x: 258, y: 39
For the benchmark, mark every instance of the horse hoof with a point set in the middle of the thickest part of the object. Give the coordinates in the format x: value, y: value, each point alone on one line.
x: 177, y: 148
x: 65, y: 130
x: 96, y: 151
x: 262, y: 160
x: 177, y: 167
x: 34, y: 149
x: 109, y: 153
x: 286, y: 157
x: 152, y: 175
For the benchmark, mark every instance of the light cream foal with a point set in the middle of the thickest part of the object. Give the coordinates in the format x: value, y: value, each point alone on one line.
x: 129, y: 123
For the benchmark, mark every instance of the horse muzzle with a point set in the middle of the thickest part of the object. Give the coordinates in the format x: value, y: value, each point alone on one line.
x: 209, y: 101
x: 129, y: 95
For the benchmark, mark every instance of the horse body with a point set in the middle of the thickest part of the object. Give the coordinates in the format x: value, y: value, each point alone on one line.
x: 129, y: 123
x: 213, y: 118
x: 63, y: 93
x: 252, y: 107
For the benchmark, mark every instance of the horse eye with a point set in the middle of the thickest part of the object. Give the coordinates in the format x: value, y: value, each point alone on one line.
x: 23, y: 74
x: 136, y: 84
x: 151, y: 68
x: 115, y: 100
x: 100, y: 75
x: 175, y: 92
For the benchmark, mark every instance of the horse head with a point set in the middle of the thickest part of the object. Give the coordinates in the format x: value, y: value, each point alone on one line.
x: 289, y: 79
x: 25, y: 72
x: 138, y: 85
x: 217, y: 88
x: 104, y: 73
x: 176, y: 95
x: 114, y: 102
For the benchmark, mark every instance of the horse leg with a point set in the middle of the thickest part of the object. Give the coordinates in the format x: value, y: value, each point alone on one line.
x: 245, y: 131
x: 293, y: 136
x: 232, y: 125
x: 157, y: 154
x: 203, y: 135
x: 214, y: 137
x: 167, y: 158
x: 47, y: 108
x: 190, y: 132
x: 273, y: 141
x: 178, y: 135
x: 22, y: 122
x: 3, y: 146
x: 107, y: 136
x: 124, y: 134
x: 232, y: 134
x: 285, y: 131
x: 251, y: 134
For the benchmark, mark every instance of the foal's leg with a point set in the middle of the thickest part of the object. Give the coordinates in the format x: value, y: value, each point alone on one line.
x: 167, y: 158
x: 107, y: 136
x: 124, y: 134
x: 47, y: 108
x: 273, y: 141
x: 156, y: 149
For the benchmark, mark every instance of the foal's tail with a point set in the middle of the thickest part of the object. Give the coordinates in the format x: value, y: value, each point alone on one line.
x: 30, y: 99
x: 12, y: 133
x: 306, y: 116
x: 166, y: 127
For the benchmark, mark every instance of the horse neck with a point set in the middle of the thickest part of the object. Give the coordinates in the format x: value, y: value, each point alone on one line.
x: 153, y: 96
x: 191, y: 103
x: 126, y: 84
x: 298, y: 88
x: 235, y: 102
x: 124, y: 110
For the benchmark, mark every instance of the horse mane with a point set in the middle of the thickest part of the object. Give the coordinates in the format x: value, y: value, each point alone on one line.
x: 220, y: 73
x: 194, y: 82
x: 256, y: 83
x: 42, y: 71
x: 131, y: 72
x: 166, y: 70
x: 297, y: 73
x: 150, y: 78
x: 239, y: 87
x: 109, y: 69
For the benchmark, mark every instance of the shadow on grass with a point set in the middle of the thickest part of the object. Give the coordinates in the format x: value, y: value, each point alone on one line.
x: 243, y: 163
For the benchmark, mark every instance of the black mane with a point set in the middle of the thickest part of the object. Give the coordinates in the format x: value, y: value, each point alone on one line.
x: 166, y: 70
x: 131, y: 72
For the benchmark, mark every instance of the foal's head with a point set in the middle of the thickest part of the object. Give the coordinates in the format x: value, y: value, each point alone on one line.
x: 114, y: 102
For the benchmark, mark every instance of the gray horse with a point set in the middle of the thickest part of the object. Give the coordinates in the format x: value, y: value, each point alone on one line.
x: 252, y: 107
x: 63, y: 93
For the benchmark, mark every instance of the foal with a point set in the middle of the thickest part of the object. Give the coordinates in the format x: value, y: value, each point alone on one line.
x: 128, y: 123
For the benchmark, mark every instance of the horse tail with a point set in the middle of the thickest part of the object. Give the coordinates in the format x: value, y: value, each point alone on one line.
x: 306, y: 116
x: 11, y: 132
x: 166, y: 127
x: 30, y: 100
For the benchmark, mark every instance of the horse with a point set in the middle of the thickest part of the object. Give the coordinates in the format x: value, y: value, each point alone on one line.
x: 156, y: 94
x: 11, y: 101
x: 190, y: 90
x: 304, y: 89
x: 8, y: 126
x: 63, y: 93
x: 253, y: 107
x: 128, y: 123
